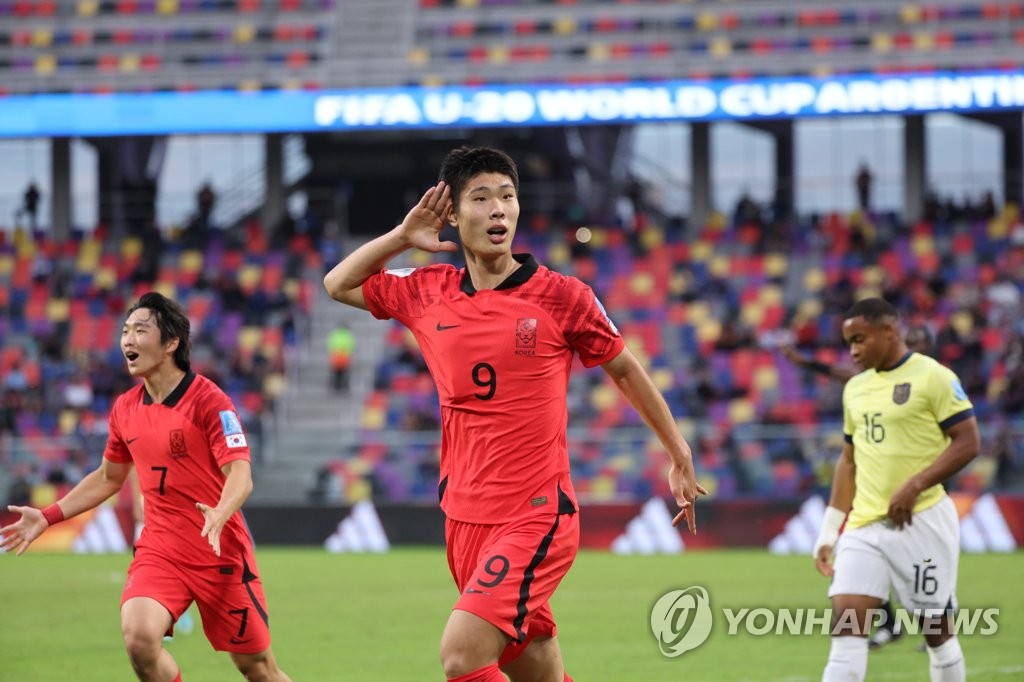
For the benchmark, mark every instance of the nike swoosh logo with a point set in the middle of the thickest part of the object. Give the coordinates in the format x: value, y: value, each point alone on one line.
x: 238, y: 641
x: 470, y: 590
x: 132, y: 440
x: 444, y: 327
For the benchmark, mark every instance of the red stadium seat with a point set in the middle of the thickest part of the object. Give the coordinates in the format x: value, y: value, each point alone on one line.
x: 525, y: 27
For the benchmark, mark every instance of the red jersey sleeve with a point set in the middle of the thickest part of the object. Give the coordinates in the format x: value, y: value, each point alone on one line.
x: 403, y: 294
x: 116, y: 450
x: 589, y: 330
x: 224, y: 430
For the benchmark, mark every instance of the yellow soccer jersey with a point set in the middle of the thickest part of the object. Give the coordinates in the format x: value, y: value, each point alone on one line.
x: 896, y: 420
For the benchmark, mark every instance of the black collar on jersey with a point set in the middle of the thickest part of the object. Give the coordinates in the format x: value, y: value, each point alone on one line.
x: 176, y: 394
x: 901, y: 361
x: 522, y: 273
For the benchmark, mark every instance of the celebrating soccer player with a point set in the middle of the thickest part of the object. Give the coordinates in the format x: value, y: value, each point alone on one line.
x: 908, y: 425
x: 185, y: 440
x: 498, y: 337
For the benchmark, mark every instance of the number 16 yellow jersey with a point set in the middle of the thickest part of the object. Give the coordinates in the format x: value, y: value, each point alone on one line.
x: 897, y: 420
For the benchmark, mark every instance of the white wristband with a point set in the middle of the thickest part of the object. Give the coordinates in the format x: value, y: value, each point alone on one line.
x: 830, y: 526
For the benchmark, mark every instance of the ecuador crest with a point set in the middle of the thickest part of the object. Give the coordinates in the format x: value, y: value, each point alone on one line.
x: 901, y: 393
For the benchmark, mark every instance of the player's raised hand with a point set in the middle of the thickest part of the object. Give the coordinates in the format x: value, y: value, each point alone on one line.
x: 683, y: 484
x: 212, y: 527
x: 19, y: 535
x: 424, y: 222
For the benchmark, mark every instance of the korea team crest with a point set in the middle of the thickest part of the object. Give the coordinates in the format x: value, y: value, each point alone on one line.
x: 177, y: 444
x: 526, y: 336
x: 901, y: 393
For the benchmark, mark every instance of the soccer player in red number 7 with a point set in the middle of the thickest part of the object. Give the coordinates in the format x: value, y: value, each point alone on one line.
x: 498, y: 337
x: 183, y: 435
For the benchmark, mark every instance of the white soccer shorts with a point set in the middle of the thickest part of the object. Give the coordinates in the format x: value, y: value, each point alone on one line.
x: 920, y: 561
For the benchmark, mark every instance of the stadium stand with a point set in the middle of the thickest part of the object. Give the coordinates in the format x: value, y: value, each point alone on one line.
x: 469, y: 42
x: 182, y: 45
x: 702, y: 305
x: 175, y: 45
x: 60, y: 314
x: 702, y: 310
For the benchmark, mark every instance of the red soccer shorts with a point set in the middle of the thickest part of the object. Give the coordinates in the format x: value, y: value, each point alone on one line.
x: 508, y: 572
x: 231, y: 605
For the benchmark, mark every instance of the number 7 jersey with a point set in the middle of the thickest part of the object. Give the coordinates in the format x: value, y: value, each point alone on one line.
x: 178, y: 448
x: 501, y: 360
x: 896, y: 420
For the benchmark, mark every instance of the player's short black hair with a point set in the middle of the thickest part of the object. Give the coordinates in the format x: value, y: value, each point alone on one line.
x: 874, y: 311
x: 172, y: 322
x: 463, y: 163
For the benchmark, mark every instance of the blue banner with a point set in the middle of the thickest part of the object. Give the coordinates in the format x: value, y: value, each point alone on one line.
x: 513, y: 105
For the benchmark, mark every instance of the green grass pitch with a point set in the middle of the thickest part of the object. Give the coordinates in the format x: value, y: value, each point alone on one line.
x: 366, y: 618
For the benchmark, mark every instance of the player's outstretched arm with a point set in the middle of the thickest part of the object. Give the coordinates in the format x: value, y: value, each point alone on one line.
x: 964, y: 445
x: 839, y: 504
x: 837, y: 372
x: 237, y: 488
x: 419, y: 229
x: 90, y: 492
x: 634, y: 382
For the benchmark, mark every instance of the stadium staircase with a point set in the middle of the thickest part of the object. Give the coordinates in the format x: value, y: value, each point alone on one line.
x: 314, y: 423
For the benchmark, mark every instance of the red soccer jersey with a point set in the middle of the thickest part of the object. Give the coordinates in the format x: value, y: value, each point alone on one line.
x: 501, y: 360
x: 178, y: 447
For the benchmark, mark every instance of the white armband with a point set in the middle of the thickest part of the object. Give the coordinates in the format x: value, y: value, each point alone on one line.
x: 830, y: 526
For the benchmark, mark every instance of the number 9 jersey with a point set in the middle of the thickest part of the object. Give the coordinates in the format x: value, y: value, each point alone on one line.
x: 501, y: 359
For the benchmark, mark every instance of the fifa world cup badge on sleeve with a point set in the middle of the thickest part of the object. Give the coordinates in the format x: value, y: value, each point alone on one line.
x: 232, y: 429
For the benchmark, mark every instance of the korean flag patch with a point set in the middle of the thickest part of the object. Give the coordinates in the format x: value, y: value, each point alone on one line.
x: 232, y: 429
x: 236, y: 440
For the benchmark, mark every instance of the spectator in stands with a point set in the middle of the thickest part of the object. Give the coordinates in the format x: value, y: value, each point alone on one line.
x: 1002, y: 450
x: 16, y: 380
x: 863, y: 182
x: 637, y: 216
x: 341, y: 342
x: 735, y: 335
x: 987, y: 208
x: 20, y: 491
x: 78, y: 391
x: 747, y: 211
x: 148, y: 267
x: 205, y: 200
x: 30, y: 205
x: 197, y: 232
x: 9, y: 406
x: 499, y: 336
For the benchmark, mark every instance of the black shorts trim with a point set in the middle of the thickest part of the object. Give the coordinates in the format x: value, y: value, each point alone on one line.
x: 247, y: 577
x: 528, y: 575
